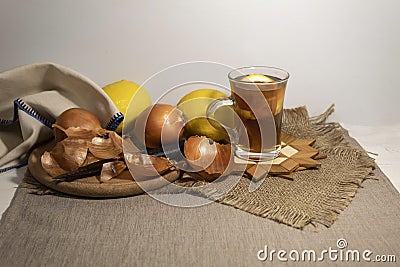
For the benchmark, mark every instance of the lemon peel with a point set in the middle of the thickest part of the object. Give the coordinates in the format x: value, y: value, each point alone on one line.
x: 129, y: 98
x: 257, y: 78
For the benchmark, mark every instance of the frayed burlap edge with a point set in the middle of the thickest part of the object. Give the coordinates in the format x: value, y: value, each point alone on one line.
x: 330, y: 140
x: 337, y: 201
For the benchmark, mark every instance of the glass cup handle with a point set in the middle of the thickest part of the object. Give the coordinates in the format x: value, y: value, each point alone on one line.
x: 217, y: 104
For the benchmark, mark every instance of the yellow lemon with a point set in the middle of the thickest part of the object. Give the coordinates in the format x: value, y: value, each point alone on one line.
x: 194, y: 107
x: 124, y: 92
x: 257, y: 78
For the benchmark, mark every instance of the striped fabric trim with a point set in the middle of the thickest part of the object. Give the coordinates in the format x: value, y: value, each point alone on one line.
x: 115, y: 121
x: 21, y: 164
x: 19, y: 104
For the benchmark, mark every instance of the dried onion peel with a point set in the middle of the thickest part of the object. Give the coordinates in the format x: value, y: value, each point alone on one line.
x: 80, y: 141
x: 111, y: 170
x: 50, y: 165
x: 70, y: 154
x: 144, y: 166
x: 106, y: 148
x: 215, y: 159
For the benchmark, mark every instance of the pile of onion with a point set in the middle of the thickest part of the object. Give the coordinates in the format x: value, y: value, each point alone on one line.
x: 80, y: 140
x: 162, y: 125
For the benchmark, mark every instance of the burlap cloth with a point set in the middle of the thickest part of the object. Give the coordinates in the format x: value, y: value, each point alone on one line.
x: 315, y: 196
x: 54, y: 230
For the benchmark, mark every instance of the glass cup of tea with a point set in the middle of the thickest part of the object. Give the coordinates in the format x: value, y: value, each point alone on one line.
x: 257, y: 95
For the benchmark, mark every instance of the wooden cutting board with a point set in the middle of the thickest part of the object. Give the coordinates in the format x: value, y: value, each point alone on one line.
x: 122, y: 185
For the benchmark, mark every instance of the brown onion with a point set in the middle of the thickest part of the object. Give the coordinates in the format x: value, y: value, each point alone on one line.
x: 76, y: 117
x: 160, y: 121
x: 215, y: 159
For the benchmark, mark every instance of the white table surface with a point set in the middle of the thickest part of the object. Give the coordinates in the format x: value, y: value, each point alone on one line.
x: 382, y: 140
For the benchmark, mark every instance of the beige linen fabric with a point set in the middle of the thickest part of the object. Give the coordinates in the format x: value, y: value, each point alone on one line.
x: 32, y: 96
x: 60, y: 230
x: 140, y: 231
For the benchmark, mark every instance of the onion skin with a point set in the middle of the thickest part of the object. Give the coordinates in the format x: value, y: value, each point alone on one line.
x: 144, y: 166
x: 106, y: 148
x: 201, y: 152
x: 76, y: 117
x: 50, y: 165
x: 80, y: 140
x: 111, y: 170
x: 70, y: 154
x: 215, y: 159
x: 159, y: 122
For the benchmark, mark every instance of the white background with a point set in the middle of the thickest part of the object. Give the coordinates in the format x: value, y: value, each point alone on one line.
x: 345, y: 52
